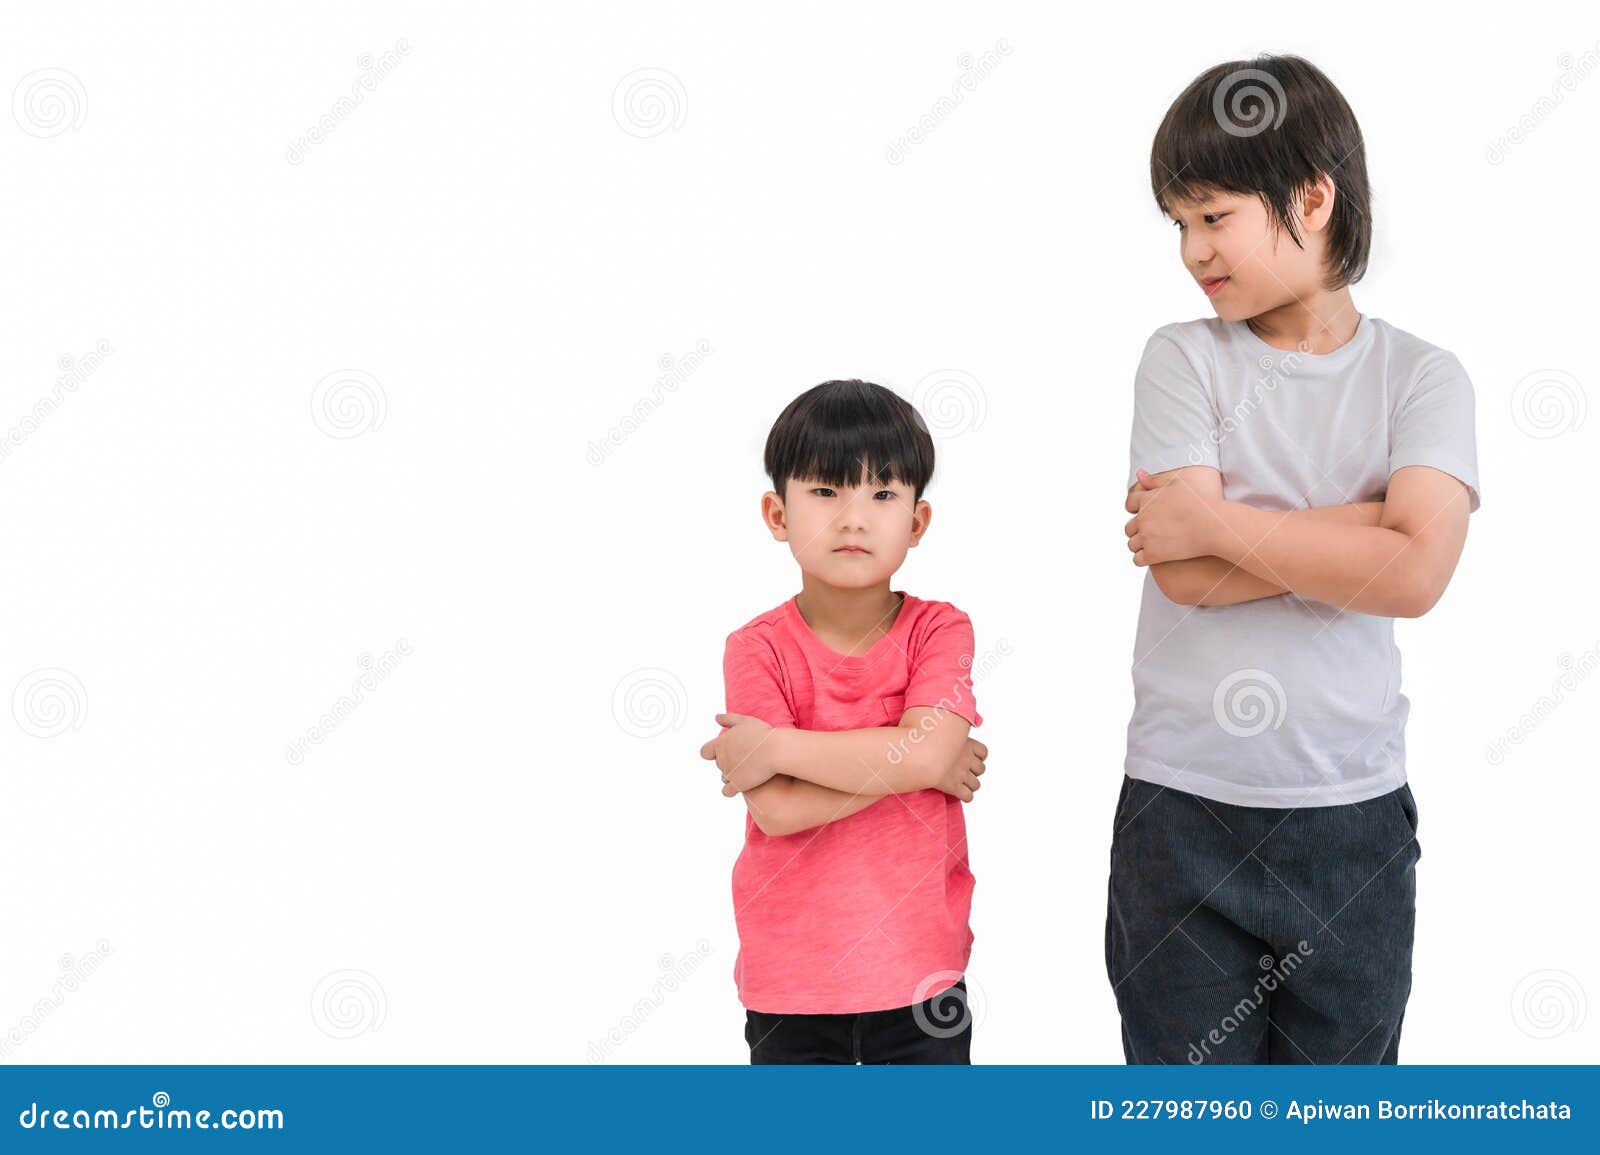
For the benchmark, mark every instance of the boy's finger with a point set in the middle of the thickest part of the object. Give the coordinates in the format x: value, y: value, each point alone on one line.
x: 709, y: 751
x: 727, y: 790
x: 980, y: 749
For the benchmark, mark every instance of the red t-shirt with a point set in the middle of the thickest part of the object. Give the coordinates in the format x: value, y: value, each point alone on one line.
x: 863, y: 913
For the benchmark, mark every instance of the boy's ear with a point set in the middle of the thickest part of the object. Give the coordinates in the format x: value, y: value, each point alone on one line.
x: 772, y: 514
x: 920, y: 517
x: 1316, y: 203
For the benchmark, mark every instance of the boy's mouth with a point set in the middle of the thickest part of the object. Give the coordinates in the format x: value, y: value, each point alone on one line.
x: 849, y: 549
x: 1211, y: 284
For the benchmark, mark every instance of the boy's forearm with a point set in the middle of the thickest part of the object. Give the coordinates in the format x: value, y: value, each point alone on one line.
x: 1216, y: 581
x: 1210, y: 581
x: 880, y: 760
x: 1349, y: 563
x: 787, y: 805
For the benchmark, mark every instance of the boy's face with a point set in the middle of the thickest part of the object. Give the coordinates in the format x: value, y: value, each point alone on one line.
x: 1245, y: 266
x: 853, y: 537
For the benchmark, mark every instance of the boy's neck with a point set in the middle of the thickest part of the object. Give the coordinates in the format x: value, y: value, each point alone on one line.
x: 858, y: 617
x: 1318, y: 323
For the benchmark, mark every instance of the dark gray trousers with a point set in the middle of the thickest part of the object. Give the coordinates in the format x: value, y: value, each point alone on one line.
x: 1243, y: 934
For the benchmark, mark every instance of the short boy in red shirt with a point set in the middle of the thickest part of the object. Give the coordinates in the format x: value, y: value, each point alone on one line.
x: 849, y: 707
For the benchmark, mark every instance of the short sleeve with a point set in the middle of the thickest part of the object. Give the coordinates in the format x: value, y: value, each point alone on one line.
x: 753, y: 680
x: 1174, y: 421
x: 941, y: 666
x: 1435, y: 425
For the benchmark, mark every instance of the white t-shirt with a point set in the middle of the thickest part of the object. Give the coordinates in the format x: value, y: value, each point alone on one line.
x: 1283, y: 702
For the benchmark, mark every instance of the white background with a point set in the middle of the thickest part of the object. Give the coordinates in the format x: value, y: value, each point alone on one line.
x: 509, y: 851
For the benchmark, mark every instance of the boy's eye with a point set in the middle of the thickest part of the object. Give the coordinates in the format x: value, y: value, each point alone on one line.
x: 886, y: 494
x: 823, y: 491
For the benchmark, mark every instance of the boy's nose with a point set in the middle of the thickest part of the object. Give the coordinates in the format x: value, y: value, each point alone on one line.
x: 1195, y: 254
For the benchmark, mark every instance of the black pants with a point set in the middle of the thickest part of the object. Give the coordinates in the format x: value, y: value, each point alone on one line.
x: 936, y: 1031
x: 1242, y: 934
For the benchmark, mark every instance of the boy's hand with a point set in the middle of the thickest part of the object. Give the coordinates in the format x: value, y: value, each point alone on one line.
x: 1173, y: 521
x: 960, y: 778
x: 741, y: 753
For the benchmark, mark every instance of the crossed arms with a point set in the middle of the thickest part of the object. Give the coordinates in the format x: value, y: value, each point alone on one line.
x: 793, y: 780
x: 1392, y: 558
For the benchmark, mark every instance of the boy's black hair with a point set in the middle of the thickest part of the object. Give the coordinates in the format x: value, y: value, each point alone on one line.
x: 1269, y: 127
x: 840, y: 431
